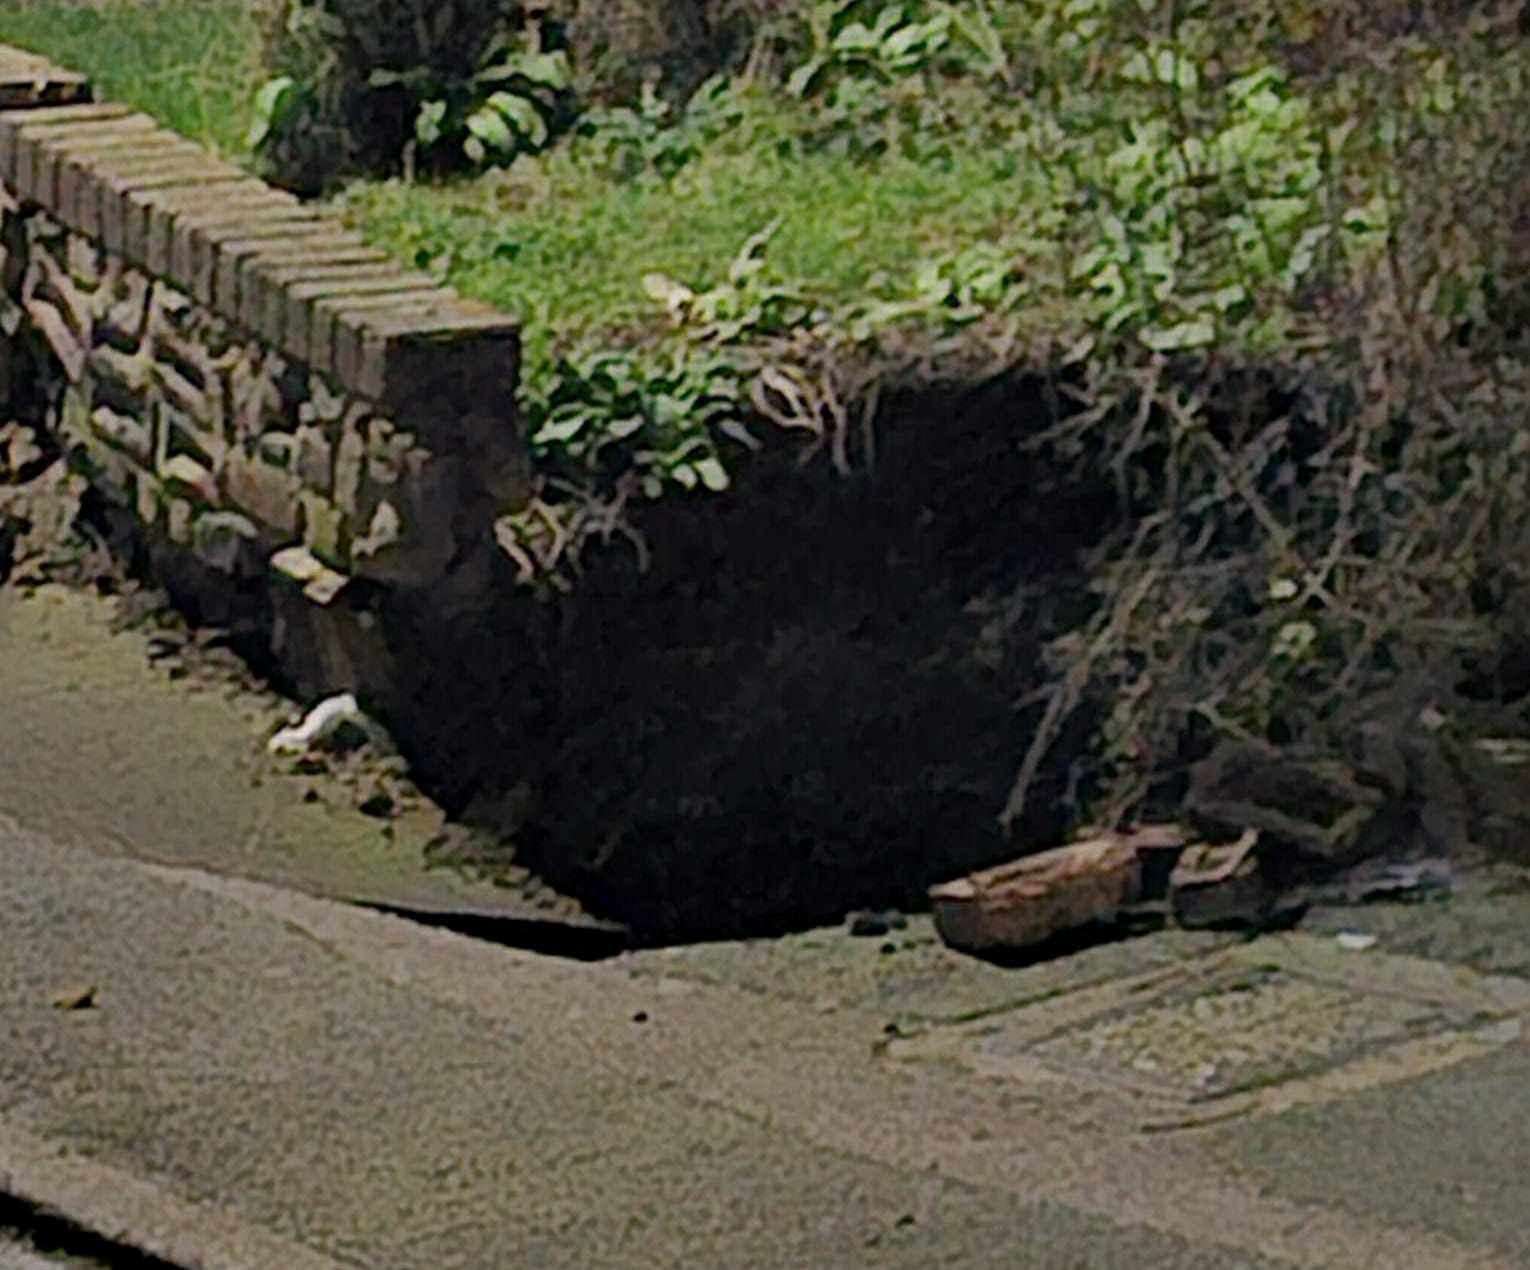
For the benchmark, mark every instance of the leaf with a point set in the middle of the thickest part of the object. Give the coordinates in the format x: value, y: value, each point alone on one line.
x: 901, y: 45
x: 1078, y: 350
x: 1136, y: 68
x: 673, y: 295
x: 979, y: 31
x: 620, y: 429
x: 800, y: 82
x: 1225, y: 297
x: 274, y: 104
x: 427, y: 124
x: 490, y: 129
x: 685, y: 474
x: 735, y: 430
x: 930, y: 284
x: 550, y: 70
x: 713, y: 475
x: 562, y: 429
x: 523, y: 114
x: 1191, y: 334
x: 669, y: 410
x: 750, y: 260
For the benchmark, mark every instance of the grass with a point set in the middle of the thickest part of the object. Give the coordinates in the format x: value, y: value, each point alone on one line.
x: 564, y: 241
x: 515, y: 240
x: 189, y: 63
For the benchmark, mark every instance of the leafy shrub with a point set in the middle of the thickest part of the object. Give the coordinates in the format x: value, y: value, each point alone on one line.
x: 1312, y: 411
x: 380, y: 85
x: 654, y: 138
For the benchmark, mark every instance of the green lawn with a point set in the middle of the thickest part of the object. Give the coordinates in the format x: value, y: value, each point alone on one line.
x: 189, y: 63
x: 518, y: 239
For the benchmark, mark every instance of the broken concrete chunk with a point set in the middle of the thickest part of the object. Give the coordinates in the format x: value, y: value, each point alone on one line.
x: 78, y: 997
x: 325, y: 722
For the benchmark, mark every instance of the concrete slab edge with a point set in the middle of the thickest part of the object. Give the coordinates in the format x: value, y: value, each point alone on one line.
x: 136, y: 1214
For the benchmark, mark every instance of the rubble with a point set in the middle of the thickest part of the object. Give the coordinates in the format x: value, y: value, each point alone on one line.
x: 1388, y: 879
x: 1029, y: 900
x: 1222, y: 885
x: 325, y: 721
x: 1159, y: 869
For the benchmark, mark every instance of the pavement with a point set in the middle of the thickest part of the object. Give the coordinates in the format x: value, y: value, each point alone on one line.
x: 223, y: 1070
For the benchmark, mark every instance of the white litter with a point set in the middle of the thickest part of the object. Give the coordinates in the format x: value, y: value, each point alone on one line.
x: 323, y: 721
x: 1355, y: 941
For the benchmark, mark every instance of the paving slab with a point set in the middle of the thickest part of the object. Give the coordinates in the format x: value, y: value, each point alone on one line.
x: 1445, y: 1152
x: 281, y: 1066
x: 175, y: 772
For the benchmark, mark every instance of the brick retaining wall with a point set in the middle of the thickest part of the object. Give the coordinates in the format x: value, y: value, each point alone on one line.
x: 242, y: 373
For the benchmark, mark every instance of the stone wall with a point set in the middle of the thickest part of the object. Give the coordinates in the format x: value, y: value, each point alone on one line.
x: 246, y: 379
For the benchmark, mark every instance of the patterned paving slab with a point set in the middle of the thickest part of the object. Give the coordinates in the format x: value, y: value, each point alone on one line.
x: 1248, y: 1030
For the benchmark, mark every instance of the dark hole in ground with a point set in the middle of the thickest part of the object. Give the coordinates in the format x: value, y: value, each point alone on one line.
x: 53, y: 1234
x: 805, y: 706
x: 574, y: 941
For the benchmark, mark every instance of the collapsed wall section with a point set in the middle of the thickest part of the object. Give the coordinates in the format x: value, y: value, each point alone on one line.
x: 237, y: 372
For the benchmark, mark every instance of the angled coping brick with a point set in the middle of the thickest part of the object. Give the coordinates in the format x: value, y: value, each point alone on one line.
x: 13, y: 121
x: 337, y: 247
x: 327, y: 345
x: 92, y: 146
x: 390, y: 353
x: 19, y: 62
x: 198, y: 239
x: 29, y: 80
x: 222, y: 212
x: 169, y: 203
x: 351, y: 282
x: 218, y: 275
x: 284, y: 323
x: 232, y: 256
x: 289, y: 274
x: 33, y: 164
x: 78, y: 188
x: 22, y: 130
x: 127, y: 195
x: 57, y: 88
x: 270, y: 279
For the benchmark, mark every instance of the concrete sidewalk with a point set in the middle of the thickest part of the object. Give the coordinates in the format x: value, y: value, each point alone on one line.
x: 267, y: 1079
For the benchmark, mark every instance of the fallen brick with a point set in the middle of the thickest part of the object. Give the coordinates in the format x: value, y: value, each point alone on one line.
x: 1028, y: 901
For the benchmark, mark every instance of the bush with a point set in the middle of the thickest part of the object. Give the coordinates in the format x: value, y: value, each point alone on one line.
x: 1322, y: 463
x: 382, y: 86
x: 379, y: 86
